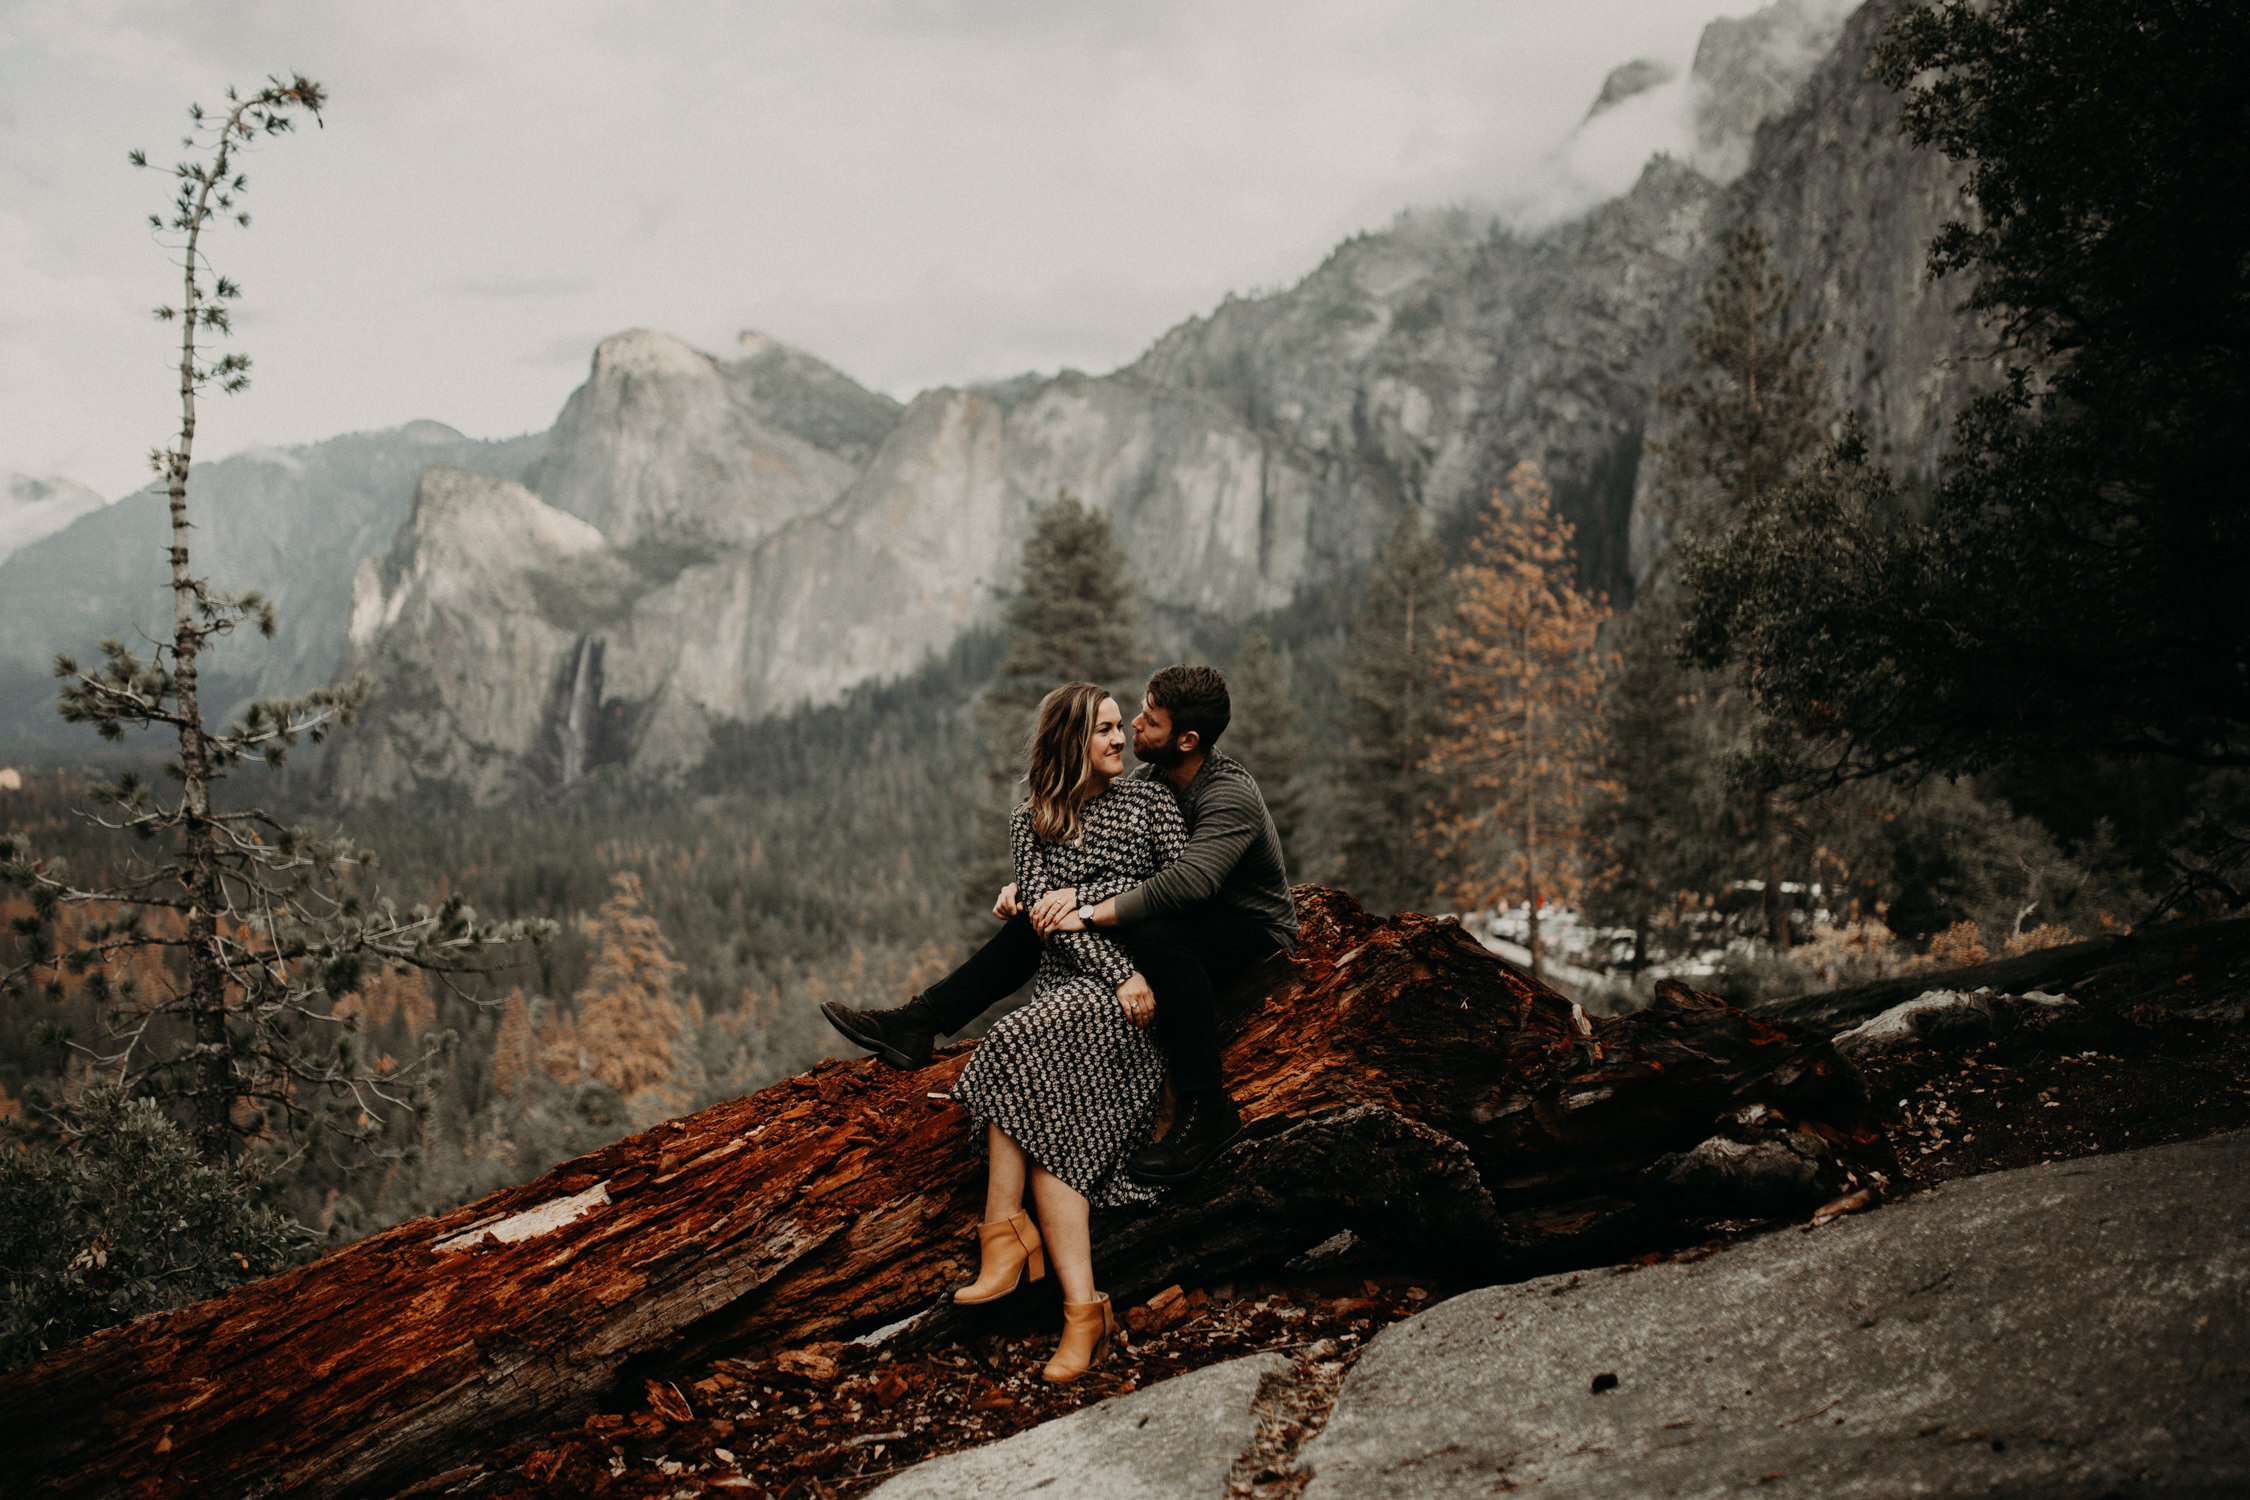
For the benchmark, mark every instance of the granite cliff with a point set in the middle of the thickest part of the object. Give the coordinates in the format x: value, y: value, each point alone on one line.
x: 729, y: 601
x: 752, y: 533
x: 771, y: 535
x: 290, y: 521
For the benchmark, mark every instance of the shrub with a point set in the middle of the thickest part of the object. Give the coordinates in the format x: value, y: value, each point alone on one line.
x: 118, y: 1218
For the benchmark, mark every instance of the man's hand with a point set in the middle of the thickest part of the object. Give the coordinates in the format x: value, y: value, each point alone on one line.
x: 1138, y: 999
x: 1057, y: 911
x: 1007, y: 906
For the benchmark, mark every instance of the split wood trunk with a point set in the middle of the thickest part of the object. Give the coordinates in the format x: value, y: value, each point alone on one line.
x: 1399, y: 1081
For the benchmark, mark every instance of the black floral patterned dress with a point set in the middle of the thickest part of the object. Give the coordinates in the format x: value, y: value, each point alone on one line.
x: 1069, y: 1076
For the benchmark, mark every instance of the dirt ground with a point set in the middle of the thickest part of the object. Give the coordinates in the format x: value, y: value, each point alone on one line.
x: 2156, y: 1050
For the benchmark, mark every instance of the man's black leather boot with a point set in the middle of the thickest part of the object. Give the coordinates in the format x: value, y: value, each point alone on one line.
x: 902, y: 1036
x: 1207, y: 1124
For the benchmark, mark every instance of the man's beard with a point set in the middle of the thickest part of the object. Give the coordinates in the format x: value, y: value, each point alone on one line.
x: 1164, y: 757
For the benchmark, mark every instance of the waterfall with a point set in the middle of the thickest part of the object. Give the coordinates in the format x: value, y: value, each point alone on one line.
x: 584, y: 704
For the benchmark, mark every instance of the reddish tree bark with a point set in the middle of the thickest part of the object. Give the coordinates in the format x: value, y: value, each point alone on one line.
x: 1399, y: 1080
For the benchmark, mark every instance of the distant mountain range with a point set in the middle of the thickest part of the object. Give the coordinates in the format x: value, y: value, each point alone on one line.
x: 702, y: 540
x: 34, y: 508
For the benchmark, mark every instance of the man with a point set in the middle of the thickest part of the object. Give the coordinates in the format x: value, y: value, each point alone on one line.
x: 1192, y: 929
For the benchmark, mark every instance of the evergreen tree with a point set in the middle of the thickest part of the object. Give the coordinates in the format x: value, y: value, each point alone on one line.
x: 1263, y: 735
x: 1755, y: 408
x: 1755, y: 413
x: 1670, y: 827
x: 1074, y: 619
x: 2073, y: 588
x: 218, y: 959
x: 1392, y: 682
x: 1518, y: 739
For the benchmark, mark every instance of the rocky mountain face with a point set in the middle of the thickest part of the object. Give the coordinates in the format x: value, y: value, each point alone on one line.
x: 704, y: 540
x: 1751, y: 68
x: 640, y: 640
x: 667, y: 446
x: 1848, y: 211
x: 770, y: 535
x: 290, y: 521
x: 1425, y: 361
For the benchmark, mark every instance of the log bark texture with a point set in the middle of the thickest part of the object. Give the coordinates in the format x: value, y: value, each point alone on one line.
x: 1399, y: 1081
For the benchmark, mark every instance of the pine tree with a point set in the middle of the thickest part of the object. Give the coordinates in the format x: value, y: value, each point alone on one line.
x: 1074, y: 619
x: 1391, y: 685
x: 1519, y: 740
x: 1756, y: 411
x: 1263, y: 735
x: 1672, y: 827
x: 239, y: 1026
x: 122, y: 1218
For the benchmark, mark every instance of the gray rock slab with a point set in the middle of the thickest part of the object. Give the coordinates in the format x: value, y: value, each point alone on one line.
x: 2079, y: 1328
x: 1177, y: 1437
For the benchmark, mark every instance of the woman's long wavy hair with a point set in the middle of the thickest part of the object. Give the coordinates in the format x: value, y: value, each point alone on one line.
x: 1061, y: 755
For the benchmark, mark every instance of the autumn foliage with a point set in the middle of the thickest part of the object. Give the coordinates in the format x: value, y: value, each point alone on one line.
x: 1519, y: 745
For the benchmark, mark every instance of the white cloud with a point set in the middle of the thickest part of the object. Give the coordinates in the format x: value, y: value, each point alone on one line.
x: 917, y: 190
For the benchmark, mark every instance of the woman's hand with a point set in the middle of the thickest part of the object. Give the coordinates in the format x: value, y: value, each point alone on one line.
x: 1057, y: 911
x: 1138, y: 999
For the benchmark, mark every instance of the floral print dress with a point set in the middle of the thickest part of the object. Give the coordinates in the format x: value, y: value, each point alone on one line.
x: 1069, y: 1076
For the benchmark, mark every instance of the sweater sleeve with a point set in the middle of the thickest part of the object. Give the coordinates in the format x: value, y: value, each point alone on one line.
x: 1225, y: 826
x: 1163, y: 835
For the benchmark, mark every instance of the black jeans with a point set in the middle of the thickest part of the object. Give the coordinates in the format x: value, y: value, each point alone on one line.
x: 988, y: 976
x: 1187, y: 958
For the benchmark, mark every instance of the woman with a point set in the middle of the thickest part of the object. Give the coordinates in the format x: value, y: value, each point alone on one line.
x: 1067, y: 1087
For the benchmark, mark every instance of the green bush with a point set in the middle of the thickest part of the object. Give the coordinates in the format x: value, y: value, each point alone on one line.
x: 117, y: 1219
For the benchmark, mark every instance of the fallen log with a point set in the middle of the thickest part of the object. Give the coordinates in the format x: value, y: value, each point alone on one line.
x: 1399, y: 1081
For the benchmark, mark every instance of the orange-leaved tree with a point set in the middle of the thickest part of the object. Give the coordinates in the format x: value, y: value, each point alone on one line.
x: 1518, y: 749
x: 630, y: 1019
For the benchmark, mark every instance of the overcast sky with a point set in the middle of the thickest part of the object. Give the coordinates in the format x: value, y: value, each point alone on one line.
x: 920, y: 192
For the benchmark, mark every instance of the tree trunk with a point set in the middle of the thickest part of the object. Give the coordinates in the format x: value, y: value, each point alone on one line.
x: 1777, y: 906
x: 216, y: 1083
x: 1399, y: 1080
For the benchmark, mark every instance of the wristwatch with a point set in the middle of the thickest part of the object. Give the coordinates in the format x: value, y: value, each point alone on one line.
x: 1086, y: 914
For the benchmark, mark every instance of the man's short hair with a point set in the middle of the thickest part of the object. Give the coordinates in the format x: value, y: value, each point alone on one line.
x: 1196, y: 698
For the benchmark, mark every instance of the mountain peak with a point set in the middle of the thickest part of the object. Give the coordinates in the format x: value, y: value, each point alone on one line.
x: 1627, y: 79
x: 1749, y: 69
x: 643, y: 351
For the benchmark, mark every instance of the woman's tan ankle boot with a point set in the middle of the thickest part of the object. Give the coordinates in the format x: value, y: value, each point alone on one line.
x: 1088, y: 1331
x: 1011, y: 1248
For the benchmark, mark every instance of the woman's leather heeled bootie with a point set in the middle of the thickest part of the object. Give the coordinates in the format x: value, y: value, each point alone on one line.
x: 1011, y: 1255
x: 1089, y: 1333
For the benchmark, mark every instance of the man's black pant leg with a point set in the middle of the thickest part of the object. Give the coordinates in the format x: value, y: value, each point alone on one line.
x: 1187, y: 958
x: 991, y: 974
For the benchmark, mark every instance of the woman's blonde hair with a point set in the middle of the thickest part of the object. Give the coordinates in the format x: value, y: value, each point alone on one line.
x: 1060, y: 773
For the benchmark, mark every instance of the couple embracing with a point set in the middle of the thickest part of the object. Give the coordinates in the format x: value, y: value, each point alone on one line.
x: 1137, y: 898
